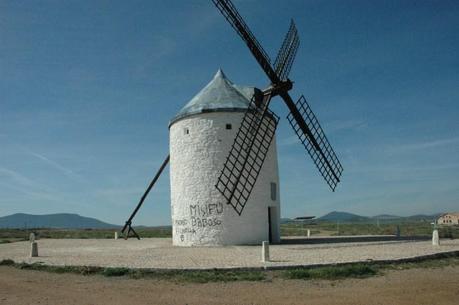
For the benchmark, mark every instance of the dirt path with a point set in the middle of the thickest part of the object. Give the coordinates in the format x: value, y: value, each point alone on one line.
x: 415, y: 286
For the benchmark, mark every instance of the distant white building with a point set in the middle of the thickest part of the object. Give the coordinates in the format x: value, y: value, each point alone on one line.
x: 201, y: 135
x: 448, y: 219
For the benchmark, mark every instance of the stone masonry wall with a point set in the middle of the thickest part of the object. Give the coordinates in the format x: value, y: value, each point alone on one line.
x: 199, y: 145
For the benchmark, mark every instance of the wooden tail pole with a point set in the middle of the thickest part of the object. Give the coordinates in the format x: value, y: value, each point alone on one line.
x: 127, y: 229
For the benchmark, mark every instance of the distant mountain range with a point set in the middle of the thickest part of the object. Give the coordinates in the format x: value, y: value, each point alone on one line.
x: 67, y: 221
x: 350, y: 217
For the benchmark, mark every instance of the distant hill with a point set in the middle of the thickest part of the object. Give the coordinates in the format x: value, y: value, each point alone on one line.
x: 423, y: 217
x: 349, y: 217
x: 64, y: 221
x: 343, y: 216
x: 285, y: 220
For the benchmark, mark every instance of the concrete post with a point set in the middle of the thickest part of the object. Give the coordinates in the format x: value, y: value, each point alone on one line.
x: 32, y: 237
x: 435, y: 238
x: 265, y: 252
x: 34, y: 249
x: 309, y: 233
x: 116, y: 235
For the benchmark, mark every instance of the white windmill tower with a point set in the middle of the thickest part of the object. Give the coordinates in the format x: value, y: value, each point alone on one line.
x: 201, y: 135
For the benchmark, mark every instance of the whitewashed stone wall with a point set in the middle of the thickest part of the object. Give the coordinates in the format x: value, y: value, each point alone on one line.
x: 200, y: 215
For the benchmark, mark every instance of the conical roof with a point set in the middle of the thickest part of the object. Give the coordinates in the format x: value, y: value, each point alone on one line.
x: 220, y: 94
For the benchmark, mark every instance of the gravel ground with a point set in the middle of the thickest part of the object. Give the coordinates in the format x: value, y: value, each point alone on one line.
x: 159, y: 253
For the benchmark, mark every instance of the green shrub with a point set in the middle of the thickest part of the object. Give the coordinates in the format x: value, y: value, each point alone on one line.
x: 7, y: 262
x: 200, y: 276
x: 221, y: 276
x: 115, y: 271
x: 333, y: 272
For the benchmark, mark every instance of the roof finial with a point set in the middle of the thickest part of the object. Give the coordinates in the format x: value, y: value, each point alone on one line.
x: 220, y: 74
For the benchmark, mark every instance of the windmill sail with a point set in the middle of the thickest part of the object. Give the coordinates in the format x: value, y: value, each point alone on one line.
x: 228, y: 10
x: 316, y: 143
x: 287, y: 52
x: 248, y: 152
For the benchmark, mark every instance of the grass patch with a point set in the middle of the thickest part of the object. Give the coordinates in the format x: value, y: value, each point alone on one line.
x: 220, y: 276
x: 203, y: 276
x: 176, y: 276
x: 115, y: 271
x: 23, y: 234
x: 357, y: 270
x: 446, y: 261
x: 82, y: 270
x: 333, y: 272
x: 364, y: 270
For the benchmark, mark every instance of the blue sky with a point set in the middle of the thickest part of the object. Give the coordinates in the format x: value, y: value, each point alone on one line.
x: 87, y: 89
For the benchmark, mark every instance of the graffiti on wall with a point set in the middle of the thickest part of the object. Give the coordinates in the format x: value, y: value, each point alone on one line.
x: 200, y: 216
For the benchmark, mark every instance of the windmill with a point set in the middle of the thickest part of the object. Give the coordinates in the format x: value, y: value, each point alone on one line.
x: 247, y: 154
x: 202, y: 140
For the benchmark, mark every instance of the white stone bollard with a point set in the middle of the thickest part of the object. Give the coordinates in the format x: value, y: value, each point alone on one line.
x: 397, y: 232
x: 34, y: 249
x: 116, y: 235
x: 265, y: 252
x: 435, y: 238
x: 309, y: 233
x: 32, y: 237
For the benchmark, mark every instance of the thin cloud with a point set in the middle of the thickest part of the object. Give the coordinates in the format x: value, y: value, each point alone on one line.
x: 33, y: 194
x: 425, y: 145
x: 66, y: 171
x: 386, y: 168
x: 35, y: 191
x: 116, y: 192
x: 23, y: 184
x: 346, y: 125
x: 18, y: 178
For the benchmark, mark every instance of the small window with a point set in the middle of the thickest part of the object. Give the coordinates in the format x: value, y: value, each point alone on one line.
x: 186, y: 131
x: 229, y: 126
x: 273, y: 191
